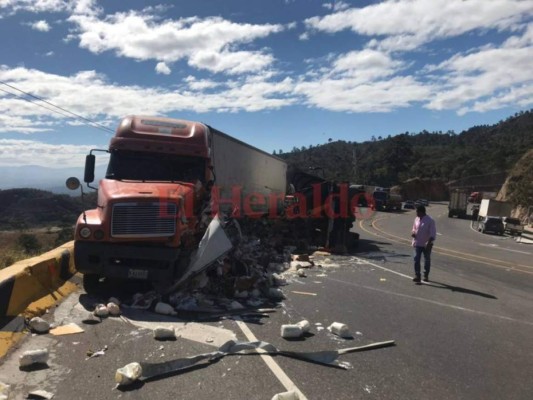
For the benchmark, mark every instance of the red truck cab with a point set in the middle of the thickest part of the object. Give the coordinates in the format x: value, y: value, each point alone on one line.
x: 146, y: 213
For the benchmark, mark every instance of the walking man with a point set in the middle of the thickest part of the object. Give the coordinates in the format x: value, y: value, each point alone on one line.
x: 424, y: 233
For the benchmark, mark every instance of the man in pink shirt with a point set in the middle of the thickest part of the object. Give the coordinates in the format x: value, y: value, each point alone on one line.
x: 424, y: 233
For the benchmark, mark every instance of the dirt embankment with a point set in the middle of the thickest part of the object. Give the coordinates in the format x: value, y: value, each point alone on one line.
x: 518, y: 187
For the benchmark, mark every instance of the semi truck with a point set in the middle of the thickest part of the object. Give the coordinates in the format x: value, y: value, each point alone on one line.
x: 167, y: 179
x: 384, y: 200
x: 457, y: 207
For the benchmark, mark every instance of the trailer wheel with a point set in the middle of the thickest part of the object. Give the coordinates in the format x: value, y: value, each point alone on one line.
x: 91, y: 283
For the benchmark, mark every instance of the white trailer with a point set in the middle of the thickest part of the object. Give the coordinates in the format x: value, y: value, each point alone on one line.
x: 241, y: 167
x: 494, y: 208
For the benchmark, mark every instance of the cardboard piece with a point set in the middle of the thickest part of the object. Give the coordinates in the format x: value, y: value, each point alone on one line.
x: 67, y: 329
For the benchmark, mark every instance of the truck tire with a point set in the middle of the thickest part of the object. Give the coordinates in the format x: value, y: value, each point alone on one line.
x: 450, y: 214
x: 91, y: 283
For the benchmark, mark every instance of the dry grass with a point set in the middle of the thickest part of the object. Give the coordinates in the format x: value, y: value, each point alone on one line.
x: 10, y: 252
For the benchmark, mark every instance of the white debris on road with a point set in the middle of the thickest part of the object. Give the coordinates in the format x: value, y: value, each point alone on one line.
x: 340, y: 329
x: 32, y: 357
x: 39, y: 325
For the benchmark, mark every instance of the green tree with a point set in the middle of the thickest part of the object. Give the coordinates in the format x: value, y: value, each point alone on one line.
x: 29, y: 243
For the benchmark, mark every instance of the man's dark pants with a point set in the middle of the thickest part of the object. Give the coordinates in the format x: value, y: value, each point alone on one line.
x: 419, y: 250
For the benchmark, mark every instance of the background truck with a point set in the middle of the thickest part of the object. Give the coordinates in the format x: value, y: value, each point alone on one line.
x: 457, y: 207
x: 476, y: 197
x: 384, y: 200
x: 167, y: 179
x: 494, y: 208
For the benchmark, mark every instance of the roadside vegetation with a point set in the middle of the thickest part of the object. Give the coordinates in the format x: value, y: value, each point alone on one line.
x: 442, y: 156
x: 16, y: 245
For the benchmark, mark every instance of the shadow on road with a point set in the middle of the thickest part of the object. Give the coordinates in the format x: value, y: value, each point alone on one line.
x: 458, y: 289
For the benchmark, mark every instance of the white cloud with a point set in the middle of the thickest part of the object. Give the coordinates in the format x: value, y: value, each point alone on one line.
x: 29, y: 152
x: 90, y: 95
x: 491, y: 78
x: 408, y: 24
x: 49, y: 54
x: 39, y: 6
x: 41, y: 25
x: 208, y: 43
x: 162, y: 68
x: 367, y: 64
x: 352, y: 95
x: 336, y: 6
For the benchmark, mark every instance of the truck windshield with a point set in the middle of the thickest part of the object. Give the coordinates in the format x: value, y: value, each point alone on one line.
x: 132, y: 165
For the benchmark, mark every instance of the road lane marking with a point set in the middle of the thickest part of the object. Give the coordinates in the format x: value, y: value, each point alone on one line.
x: 503, y: 248
x: 269, y: 361
x: 486, y: 314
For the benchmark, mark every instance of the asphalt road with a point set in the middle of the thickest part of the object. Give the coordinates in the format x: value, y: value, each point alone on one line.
x: 467, y: 334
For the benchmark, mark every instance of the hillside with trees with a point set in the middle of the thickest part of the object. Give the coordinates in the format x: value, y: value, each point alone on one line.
x: 446, y: 156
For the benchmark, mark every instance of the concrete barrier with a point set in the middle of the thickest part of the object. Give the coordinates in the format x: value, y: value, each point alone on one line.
x: 28, y: 281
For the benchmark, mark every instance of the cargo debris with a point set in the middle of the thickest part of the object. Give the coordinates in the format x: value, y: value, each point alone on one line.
x: 141, y: 371
x: 94, y: 354
x: 101, y: 311
x: 290, y: 395
x: 291, y: 331
x: 39, y: 325
x: 33, y: 357
x: 340, y: 329
x: 67, y: 329
x: 40, y: 394
x: 128, y: 374
x: 305, y: 325
x: 162, y: 333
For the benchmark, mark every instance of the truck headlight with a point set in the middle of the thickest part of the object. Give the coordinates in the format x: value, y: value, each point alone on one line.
x: 85, y: 232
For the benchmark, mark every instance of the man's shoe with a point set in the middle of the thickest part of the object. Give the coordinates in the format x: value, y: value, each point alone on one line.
x: 416, y: 279
x: 426, y: 278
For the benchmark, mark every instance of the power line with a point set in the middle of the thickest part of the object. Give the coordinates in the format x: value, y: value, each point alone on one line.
x: 40, y: 105
x: 94, y: 124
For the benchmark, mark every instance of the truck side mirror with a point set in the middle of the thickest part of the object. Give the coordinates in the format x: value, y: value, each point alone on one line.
x: 90, y: 160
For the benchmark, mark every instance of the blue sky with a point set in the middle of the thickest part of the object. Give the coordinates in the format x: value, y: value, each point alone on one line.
x: 274, y: 73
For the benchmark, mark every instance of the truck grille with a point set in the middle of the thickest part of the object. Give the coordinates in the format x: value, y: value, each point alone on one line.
x: 143, y: 220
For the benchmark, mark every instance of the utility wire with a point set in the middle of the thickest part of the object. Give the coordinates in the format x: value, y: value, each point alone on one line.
x: 40, y: 105
x: 90, y: 122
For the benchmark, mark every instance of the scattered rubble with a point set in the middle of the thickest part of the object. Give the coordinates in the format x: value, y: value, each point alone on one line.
x: 305, y: 325
x: 94, y: 354
x: 340, y: 329
x: 4, y: 391
x: 101, y: 311
x: 39, y: 325
x: 141, y: 371
x: 67, y: 329
x: 40, y: 394
x: 164, y: 309
x: 291, y: 395
x: 128, y: 374
x: 291, y: 331
x: 114, y: 309
x: 163, y: 333
x: 33, y: 357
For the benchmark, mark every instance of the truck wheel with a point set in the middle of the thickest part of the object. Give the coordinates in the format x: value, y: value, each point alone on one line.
x: 450, y: 214
x: 91, y: 283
